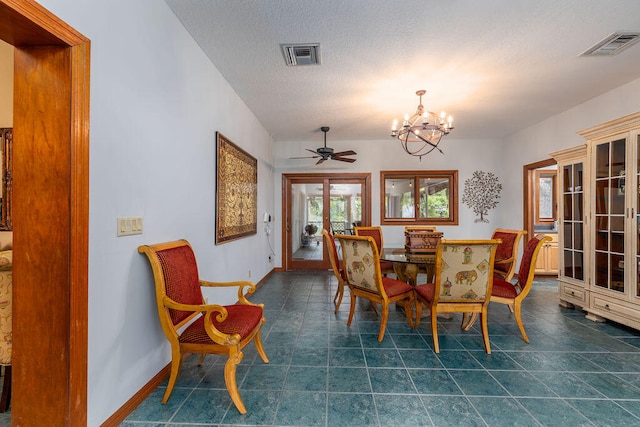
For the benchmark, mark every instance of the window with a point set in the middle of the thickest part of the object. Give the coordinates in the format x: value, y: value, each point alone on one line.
x: 419, y: 197
x: 546, y: 203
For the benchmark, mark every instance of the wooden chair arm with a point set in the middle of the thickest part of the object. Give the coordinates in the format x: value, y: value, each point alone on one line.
x: 208, y: 310
x: 504, y: 261
x: 241, y: 284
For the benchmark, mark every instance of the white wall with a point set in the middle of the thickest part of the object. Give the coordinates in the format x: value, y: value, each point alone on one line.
x: 156, y: 104
x: 466, y: 156
x: 560, y: 131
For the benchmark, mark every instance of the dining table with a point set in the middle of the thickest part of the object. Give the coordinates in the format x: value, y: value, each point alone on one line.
x: 407, y: 265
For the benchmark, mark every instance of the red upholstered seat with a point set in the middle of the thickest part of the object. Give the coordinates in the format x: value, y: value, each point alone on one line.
x: 507, y: 252
x: 426, y: 291
x: 503, y: 289
x: 241, y: 320
x: 395, y: 287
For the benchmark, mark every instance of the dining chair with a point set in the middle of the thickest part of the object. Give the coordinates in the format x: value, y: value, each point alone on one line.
x: 463, y: 282
x: 362, y: 265
x: 191, y: 325
x: 336, y: 266
x: 507, y: 252
x: 512, y: 294
x: 386, y: 267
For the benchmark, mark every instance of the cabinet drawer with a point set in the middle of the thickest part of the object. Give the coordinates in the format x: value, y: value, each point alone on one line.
x: 574, y: 294
x: 605, y: 306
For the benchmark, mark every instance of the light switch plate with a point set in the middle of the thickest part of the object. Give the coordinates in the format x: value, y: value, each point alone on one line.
x: 129, y: 225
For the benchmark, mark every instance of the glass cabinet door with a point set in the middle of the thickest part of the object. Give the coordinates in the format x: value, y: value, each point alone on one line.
x: 609, y: 194
x: 573, y: 220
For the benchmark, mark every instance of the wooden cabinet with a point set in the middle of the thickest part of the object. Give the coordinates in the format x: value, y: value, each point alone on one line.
x: 612, y: 289
x: 573, y: 183
x: 547, y: 262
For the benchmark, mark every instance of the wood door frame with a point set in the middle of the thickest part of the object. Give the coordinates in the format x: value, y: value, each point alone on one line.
x: 528, y: 193
x: 286, y: 185
x: 50, y: 215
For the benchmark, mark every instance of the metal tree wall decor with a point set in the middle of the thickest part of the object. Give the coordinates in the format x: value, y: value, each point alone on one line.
x: 481, y: 193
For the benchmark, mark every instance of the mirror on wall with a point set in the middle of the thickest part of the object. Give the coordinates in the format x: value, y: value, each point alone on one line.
x: 6, y: 139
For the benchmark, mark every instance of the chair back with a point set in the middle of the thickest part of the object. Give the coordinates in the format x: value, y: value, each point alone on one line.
x: 375, y: 232
x: 175, y: 274
x: 464, y: 270
x: 361, y: 263
x: 527, y: 270
x: 332, y: 250
x: 337, y: 227
x: 507, y: 251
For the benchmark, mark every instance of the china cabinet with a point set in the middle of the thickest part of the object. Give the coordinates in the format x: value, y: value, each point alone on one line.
x: 612, y: 289
x: 571, y: 231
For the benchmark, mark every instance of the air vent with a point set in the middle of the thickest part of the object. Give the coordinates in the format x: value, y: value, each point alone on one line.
x: 613, y: 44
x: 301, y: 54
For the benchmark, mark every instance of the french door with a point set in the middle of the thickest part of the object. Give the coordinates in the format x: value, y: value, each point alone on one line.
x: 312, y: 202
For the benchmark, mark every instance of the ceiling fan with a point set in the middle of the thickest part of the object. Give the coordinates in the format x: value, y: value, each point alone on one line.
x: 326, y: 153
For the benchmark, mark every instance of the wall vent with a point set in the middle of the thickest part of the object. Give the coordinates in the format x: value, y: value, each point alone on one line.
x: 613, y: 44
x: 301, y: 54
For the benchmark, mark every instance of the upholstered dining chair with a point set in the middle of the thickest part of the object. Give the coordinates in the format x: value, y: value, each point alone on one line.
x: 463, y: 282
x: 386, y: 267
x: 512, y: 294
x: 362, y: 265
x: 191, y: 325
x: 338, y: 271
x: 507, y: 252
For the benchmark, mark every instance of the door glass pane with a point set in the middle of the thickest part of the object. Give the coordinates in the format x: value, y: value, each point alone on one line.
x: 545, y: 197
x: 346, y: 207
x: 568, y: 263
x: 306, y: 221
x: 602, y: 161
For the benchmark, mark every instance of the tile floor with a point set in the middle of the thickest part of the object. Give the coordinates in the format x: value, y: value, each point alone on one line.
x: 574, y: 372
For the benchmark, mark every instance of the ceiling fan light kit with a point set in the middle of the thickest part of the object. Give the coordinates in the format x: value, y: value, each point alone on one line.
x: 327, y: 153
x: 421, y: 133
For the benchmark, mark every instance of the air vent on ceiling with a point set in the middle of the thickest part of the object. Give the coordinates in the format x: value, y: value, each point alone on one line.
x: 613, y: 44
x: 301, y: 54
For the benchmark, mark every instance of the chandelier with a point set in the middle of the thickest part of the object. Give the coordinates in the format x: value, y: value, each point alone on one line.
x: 421, y: 133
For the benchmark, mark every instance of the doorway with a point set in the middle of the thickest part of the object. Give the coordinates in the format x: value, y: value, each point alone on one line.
x: 50, y: 234
x: 312, y: 202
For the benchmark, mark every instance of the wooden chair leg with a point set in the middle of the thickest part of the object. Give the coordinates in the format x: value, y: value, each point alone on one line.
x: 352, y: 309
x: 176, y: 361
x: 416, y: 322
x: 383, y: 322
x: 5, y: 400
x: 471, y: 320
x: 258, y: 342
x: 230, y: 381
x: 485, y: 330
x: 518, y: 312
x: 434, y: 330
x: 338, y: 296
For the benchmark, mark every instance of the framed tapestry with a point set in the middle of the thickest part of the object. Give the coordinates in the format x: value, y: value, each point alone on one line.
x: 236, y: 192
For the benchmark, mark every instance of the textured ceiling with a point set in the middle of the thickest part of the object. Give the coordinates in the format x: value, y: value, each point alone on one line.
x: 497, y: 66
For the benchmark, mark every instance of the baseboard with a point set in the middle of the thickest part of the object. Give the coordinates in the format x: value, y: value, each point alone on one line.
x: 131, y: 404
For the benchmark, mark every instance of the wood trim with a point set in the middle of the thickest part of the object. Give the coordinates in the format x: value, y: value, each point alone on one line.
x: 121, y: 414
x: 316, y: 177
x: 528, y: 182
x: 51, y: 215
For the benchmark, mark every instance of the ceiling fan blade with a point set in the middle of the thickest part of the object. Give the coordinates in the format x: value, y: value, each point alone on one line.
x: 312, y: 151
x: 344, y: 159
x: 308, y: 157
x: 345, y: 153
x: 320, y: 161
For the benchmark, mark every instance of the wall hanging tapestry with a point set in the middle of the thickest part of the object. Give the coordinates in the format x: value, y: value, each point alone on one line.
x: 236, y: 192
